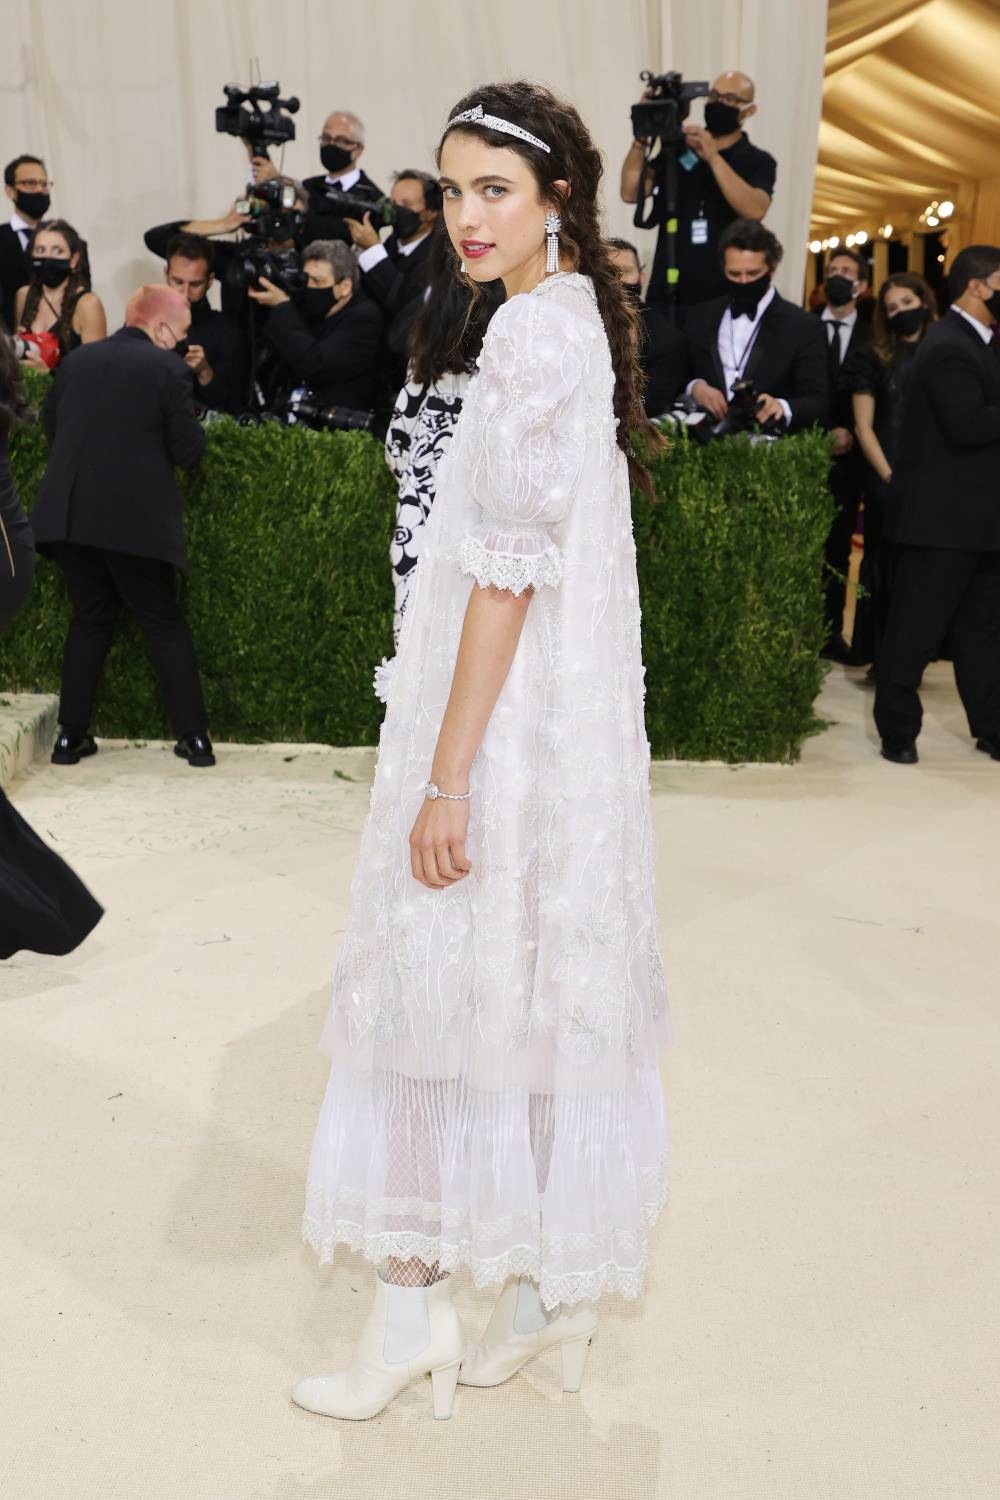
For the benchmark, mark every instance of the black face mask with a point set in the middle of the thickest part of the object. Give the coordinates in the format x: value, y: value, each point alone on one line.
x: 721, y: 119
x: 745, y: 295
x: 839, y: 290
x: 316, y: 301
x: 992, y: 305
x: 908, y: 320
x: 633, y: 289
x: 51, y: 270
x: 32, y: 205
x: 335, y: 159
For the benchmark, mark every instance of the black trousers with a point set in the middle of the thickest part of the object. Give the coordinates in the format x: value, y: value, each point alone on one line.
x: 845, y: 485
x: 941, y: 597
x: 99, y: 584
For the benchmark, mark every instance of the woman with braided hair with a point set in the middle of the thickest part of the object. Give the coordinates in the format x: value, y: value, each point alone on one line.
x: 58, y: 298
x: 499, y: 1004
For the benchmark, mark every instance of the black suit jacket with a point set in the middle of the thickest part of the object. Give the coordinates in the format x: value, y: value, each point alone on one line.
x: 119, y: 415
x: 788, y: 358
x: 337, y: 357
x: 15, y: 271
x: 841, y: 398
x: 947, y: 476
x: 399, y: 278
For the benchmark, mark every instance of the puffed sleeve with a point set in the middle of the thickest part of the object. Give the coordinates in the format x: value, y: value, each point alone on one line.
x: 529, y: 443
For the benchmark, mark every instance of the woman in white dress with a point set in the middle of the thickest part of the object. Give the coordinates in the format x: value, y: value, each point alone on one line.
x: 499, y: 1004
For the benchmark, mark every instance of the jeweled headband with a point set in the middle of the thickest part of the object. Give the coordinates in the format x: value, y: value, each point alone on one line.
x: 493, y: 122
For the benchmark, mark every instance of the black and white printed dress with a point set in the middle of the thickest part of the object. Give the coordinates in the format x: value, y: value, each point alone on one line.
x: 420, y: 430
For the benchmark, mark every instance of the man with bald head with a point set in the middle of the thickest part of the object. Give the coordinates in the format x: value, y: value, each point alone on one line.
x: 721, y: 177
x: 119, y: 416
x: 341, y: 147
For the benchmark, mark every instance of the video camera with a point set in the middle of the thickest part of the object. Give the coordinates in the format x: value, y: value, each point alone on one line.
x: 385, y: 213
x: 662, y: 117
x: 259, y: 127
x: 273, y: 219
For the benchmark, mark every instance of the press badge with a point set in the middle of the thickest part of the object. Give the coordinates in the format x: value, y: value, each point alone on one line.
x: 687, y: 160
x: 699, y: 231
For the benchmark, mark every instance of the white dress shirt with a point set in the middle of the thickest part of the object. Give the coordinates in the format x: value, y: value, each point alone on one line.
x: 734, y: 338
x: 375, y: 253
x: 984, y: 330
x: 344, y: 183
x: 21, y: 229
x: 844, y: 326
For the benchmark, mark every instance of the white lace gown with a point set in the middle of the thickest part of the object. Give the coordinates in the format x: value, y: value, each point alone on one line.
x: 494, y: 1098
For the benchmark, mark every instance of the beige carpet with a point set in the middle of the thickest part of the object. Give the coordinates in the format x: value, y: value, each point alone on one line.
x: 821, y: 1318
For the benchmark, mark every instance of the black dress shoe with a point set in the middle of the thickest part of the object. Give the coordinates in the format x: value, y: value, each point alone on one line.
x: 902, y: 752
x: 990, y: 743
x: 68, y: 751
x: 196, y: 749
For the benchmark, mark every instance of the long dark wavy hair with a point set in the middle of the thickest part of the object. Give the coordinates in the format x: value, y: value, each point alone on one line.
x: 13, y: 402
x: 884, y: 341
x: 575, y: 159
x: 79, y: 281
x: 448, y: 331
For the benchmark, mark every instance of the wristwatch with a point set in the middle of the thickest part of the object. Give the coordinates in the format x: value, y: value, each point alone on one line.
x: 433, y: 792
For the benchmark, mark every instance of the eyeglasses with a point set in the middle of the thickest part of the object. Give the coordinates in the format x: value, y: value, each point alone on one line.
x: 34, y: 184
x: 338, y: 140
x: 716, y: 98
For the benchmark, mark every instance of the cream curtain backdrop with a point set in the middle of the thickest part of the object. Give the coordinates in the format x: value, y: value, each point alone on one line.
x: 119, y: 96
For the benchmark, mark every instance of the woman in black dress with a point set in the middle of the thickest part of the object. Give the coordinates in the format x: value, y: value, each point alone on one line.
x: 58, y: 298
x: 43, y: 906
x: 877, y: 375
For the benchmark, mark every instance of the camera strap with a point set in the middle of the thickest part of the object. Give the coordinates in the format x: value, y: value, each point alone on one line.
x: 739, y: 366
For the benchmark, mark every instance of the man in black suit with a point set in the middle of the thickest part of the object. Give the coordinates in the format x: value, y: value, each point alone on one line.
x: 329, y: 337
x: 341, y: 147
x: 664, y: 348
x: 26, y: 183
x: 754, y: 334
x: 119, y: 415
x: 215, y: 349
x: 946, y: 588
x: 845, y: 332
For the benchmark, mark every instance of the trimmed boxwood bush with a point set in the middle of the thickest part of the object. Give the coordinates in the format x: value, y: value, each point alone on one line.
x: 290, y: 598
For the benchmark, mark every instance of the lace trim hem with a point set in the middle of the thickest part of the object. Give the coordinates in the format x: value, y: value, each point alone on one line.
x: 508, y: 570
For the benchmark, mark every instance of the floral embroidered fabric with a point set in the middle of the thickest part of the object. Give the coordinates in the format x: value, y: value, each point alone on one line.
x: 495, y: 1099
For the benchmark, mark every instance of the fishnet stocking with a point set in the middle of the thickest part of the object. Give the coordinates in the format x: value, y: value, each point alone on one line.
x: 413, y: 1272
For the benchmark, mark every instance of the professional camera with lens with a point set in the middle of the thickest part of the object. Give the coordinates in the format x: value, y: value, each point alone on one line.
x: 740, y: 418
x: 243, y: 116
x: 256, y: 259
x: 385, y: 213
x: 662, y: 117
x: 304, y: 408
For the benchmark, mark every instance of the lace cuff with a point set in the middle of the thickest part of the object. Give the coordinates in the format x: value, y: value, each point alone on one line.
x: 511, y: 559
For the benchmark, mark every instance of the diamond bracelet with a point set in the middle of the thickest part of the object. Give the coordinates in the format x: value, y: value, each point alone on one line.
x: 432, y: 792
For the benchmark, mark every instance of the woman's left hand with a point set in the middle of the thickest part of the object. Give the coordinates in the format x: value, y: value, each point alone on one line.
x: 437, y: 843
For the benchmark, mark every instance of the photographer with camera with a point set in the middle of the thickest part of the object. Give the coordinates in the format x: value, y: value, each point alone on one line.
x: 714, y: 173
x: 394, y: 270
x: 215, y: 353
x: 664, y: 348
x: 753, y: 345
x: 327, y: 333
x: 341, y: 146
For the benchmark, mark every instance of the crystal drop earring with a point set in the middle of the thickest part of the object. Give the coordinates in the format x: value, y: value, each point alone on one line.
x: 553, y: 224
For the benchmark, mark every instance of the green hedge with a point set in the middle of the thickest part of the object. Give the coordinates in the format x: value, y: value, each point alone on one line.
x: 290, y: 599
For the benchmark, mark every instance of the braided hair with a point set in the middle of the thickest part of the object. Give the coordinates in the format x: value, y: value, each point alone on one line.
x: 575, y: 159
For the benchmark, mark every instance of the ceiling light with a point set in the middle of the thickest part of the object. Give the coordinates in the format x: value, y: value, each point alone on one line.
x: 886, y: 231
x: 861, y: 238
x: 849, y: 241
x: 940, y: 260
x: 946, y: 209
x: 815, y: 246
x: 933, y: 220
x: 834, y: 241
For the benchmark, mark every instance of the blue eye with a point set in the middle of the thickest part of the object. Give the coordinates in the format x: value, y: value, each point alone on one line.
x: 448, y: 190
x: 494, y: 187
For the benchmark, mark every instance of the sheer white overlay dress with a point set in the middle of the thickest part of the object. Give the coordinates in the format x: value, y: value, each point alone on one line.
x: 494, y: 1098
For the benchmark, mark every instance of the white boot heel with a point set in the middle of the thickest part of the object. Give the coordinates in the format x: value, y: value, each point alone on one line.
x: 574, y: 1358
x: 443, y: 1383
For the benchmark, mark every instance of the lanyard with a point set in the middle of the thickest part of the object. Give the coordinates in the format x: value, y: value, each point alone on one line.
x: 738, y: 366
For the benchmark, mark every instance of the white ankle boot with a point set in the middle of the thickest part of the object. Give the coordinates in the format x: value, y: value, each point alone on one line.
x: 410, y: 1332
x: 520, y: 1329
